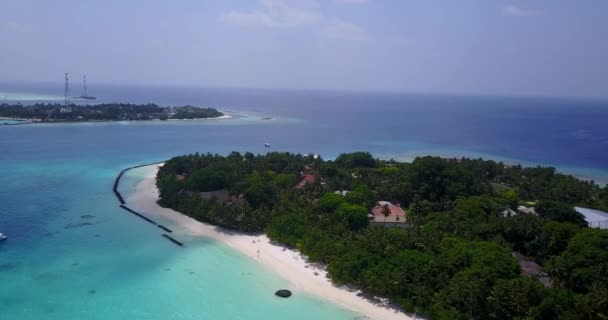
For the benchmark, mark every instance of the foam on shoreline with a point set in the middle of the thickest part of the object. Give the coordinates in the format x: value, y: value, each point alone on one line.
x: 285, y: 262
x: 225, y: 116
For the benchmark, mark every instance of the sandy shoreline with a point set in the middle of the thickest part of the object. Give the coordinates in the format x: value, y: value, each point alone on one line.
x: 225, y: 116
x: 289, y: 264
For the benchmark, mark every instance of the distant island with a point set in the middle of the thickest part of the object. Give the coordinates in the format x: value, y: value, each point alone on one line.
x: 444, y: 238
x: 104, y: 112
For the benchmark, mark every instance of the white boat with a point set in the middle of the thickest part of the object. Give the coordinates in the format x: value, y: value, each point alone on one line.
x: 2, y: 237
x: 267, y: 145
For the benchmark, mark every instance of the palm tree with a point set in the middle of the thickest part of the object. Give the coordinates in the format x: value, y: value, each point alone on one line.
x: 385, y: 211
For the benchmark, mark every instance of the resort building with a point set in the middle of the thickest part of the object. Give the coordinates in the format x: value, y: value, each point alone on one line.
x: 222, y: 196
x: 508, y: 212
x: 387, y: 214
x: 306, y: 179
x: 526, y: 210
x: 219, y: 195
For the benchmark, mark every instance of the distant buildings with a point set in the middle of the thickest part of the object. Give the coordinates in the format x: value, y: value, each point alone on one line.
x: 508, y: 212
x: 387, y: 214
x: 524, y: 209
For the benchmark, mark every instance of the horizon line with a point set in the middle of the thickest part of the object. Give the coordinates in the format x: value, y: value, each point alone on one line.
x: 323, y: 90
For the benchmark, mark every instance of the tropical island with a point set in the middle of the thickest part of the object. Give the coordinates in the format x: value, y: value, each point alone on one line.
x: 444, y: 238
x: 104, y: 112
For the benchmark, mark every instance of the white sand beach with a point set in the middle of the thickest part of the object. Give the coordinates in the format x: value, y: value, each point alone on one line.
x: 225, y: 116
x: 287, y: 263
x: 595, y: 218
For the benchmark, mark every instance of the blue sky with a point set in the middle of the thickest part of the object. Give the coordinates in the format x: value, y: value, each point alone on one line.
x: 551, y: 47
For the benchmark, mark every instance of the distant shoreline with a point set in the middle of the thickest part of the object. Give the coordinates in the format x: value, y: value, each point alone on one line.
x: 105, y: 112
x: 38, y: 121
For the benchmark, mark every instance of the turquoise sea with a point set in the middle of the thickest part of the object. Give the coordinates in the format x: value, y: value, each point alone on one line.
x: 11, y: 121
x: 74, y: 254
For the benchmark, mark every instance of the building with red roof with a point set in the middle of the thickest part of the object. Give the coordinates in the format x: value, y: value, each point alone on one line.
x: 307, y: 178
x: 387, y: 214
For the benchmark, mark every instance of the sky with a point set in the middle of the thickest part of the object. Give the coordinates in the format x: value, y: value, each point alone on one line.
x: 544, y: 47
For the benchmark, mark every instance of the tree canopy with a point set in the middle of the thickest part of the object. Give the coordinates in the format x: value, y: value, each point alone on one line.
x: 104, y: 112
x: 454, y: 258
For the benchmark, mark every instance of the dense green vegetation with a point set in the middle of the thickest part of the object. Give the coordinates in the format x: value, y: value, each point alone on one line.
x: 454, y: 261
x: 104, y: 112
x: 189, y: 112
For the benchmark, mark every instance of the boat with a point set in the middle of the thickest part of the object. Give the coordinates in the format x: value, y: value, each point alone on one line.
x: 267, y: 145
x: 2, y: 237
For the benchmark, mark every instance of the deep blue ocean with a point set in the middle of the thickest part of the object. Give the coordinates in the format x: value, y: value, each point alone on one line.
x: 73, y: 254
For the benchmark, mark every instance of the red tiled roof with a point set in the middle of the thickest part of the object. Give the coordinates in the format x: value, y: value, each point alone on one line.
x: 306, y: 178
x: 395, y: 213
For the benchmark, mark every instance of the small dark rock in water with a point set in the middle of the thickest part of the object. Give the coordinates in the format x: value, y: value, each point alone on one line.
x: 77, y: 225
x: 283, y: 293
x: 87, y: 216
x: 92, y: 291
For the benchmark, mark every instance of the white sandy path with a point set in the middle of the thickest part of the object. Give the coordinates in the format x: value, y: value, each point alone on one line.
x: 289, y: 264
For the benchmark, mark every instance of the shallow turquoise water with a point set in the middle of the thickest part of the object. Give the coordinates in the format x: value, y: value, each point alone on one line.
x: 11, y: 122
x: 74, y: 254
